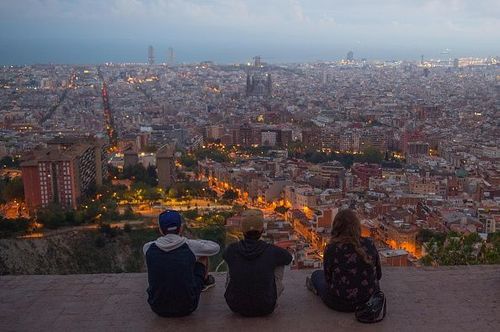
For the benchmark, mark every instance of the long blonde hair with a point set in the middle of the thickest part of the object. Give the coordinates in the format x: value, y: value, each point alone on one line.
x: 346, y: 228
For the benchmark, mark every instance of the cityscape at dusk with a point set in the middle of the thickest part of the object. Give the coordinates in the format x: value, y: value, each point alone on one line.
x: 114, y: 113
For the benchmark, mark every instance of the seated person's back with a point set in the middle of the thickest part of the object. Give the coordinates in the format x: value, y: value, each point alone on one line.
x: 176, y: 277
x: 252, y: 289
x: 351, y: 266
x: 173, y: 287
x: 349, y: 276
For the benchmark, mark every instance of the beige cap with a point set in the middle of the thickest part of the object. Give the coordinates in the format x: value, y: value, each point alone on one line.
x: 253, y: 220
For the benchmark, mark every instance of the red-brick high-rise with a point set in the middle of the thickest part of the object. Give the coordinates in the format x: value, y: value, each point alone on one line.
x: 62, y: 173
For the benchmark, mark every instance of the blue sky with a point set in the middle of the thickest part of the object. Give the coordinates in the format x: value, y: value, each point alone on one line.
x: 233, y: 30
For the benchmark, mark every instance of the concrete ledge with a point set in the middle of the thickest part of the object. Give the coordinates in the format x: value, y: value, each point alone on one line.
x: 429, y: 299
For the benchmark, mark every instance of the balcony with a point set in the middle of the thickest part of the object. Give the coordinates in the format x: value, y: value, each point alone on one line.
x: 426, y: 299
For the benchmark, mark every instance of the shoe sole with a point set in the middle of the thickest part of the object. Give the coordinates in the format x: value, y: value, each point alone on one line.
x: 310, y: 286
x: 207, y: 287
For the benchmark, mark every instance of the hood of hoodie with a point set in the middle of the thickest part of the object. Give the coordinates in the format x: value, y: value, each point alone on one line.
x: 251, y: 249
x: 170, y: 242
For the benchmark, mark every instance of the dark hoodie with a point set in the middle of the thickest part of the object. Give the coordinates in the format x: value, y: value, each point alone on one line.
x: 252, y: 289
x: 175, y: 277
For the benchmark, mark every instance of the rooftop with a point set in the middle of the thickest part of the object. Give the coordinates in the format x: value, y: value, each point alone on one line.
x: 424, y: 299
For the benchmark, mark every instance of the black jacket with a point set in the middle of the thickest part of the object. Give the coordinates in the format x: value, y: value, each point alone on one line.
x: 175, y: 280
x: 252, y: 289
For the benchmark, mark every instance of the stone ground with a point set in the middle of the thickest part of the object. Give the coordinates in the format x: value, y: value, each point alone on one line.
x: 425, y: 299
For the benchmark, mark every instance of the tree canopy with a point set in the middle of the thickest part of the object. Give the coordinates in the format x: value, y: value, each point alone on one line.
x: 11, y: 189
x: 458, y: 249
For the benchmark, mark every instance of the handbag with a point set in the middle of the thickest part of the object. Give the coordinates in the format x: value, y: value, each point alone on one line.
x: 373, y: 310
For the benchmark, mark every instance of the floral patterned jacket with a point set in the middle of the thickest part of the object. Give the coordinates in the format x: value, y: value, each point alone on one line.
x: 350, y: 278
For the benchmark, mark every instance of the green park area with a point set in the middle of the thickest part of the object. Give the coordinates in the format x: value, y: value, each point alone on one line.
x: 113, y: 221
x: 459, y: 249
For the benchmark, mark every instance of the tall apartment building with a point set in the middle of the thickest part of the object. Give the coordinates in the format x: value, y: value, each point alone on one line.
x: 349, y: 140
x: 417, y: 148
x: 374, y: 139
x: 165, y: 165
x: 63, y: 172
x: 214, y: 132
x: 130, y: 158
x: 311, y: 138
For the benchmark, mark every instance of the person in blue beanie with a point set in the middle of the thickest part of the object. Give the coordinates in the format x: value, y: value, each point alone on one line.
x: 177, y: 268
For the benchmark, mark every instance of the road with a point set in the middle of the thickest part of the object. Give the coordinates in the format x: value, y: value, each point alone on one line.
x: 64, y: 230
x: 51, y: 111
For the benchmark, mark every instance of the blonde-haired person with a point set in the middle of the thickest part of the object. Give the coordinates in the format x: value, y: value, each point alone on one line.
x: 351, y: 266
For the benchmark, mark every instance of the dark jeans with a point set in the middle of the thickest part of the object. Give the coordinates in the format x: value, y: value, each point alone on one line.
x: 323, y: 290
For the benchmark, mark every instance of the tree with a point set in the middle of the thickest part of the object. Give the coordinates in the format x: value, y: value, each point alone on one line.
x: 346, y: 159
x: 9, y: 162
x: 128, y: 213
x: 213, y: 154
x: 152, y: 176
x: 109, y: 191
x: 458, y: 249
x: 281, y: 209
x: 494, y: 238
x: 181, y: 176
x: 173, y: 192
x: 189, y: 188
x: 316, y: 157
x: 230, y: 195
x: 127, y: 228
x: 109, y: 210
x: 213, y: 230
x: 138, y: 173
x: 372, y: 155
x: 152, y: 194
x: 238, y: 208
x: 113, y: 171
x: 491, y: 254
x: 142, y: 191
x: 425, y: 235
x: 9, y: 227
x: 472, y: 239
x: 52, y: 216
x: 191, y: 214
x: 296, y: 148
x: 108, y: 231
x: 188, y: 161
x: 14, y: 189
x: 91, y: 210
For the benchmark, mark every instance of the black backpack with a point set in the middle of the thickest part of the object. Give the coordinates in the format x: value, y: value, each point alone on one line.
x: 373, y: 310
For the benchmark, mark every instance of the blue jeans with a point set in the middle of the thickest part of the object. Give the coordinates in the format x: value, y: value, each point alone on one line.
x: 323, y: 290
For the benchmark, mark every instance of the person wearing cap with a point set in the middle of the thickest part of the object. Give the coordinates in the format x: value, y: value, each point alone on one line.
x: 255, y: 266
x: 177, y: 268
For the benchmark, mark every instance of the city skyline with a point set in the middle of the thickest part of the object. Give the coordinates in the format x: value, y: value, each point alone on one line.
x: 342, y: 137
x: 90, y: 32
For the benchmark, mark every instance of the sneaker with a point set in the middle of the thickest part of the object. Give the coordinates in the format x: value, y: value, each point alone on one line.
x: 310, y: 286
x: 208, y: 283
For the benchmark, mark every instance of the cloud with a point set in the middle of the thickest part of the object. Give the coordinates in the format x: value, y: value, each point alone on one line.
x: 368, y: 21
